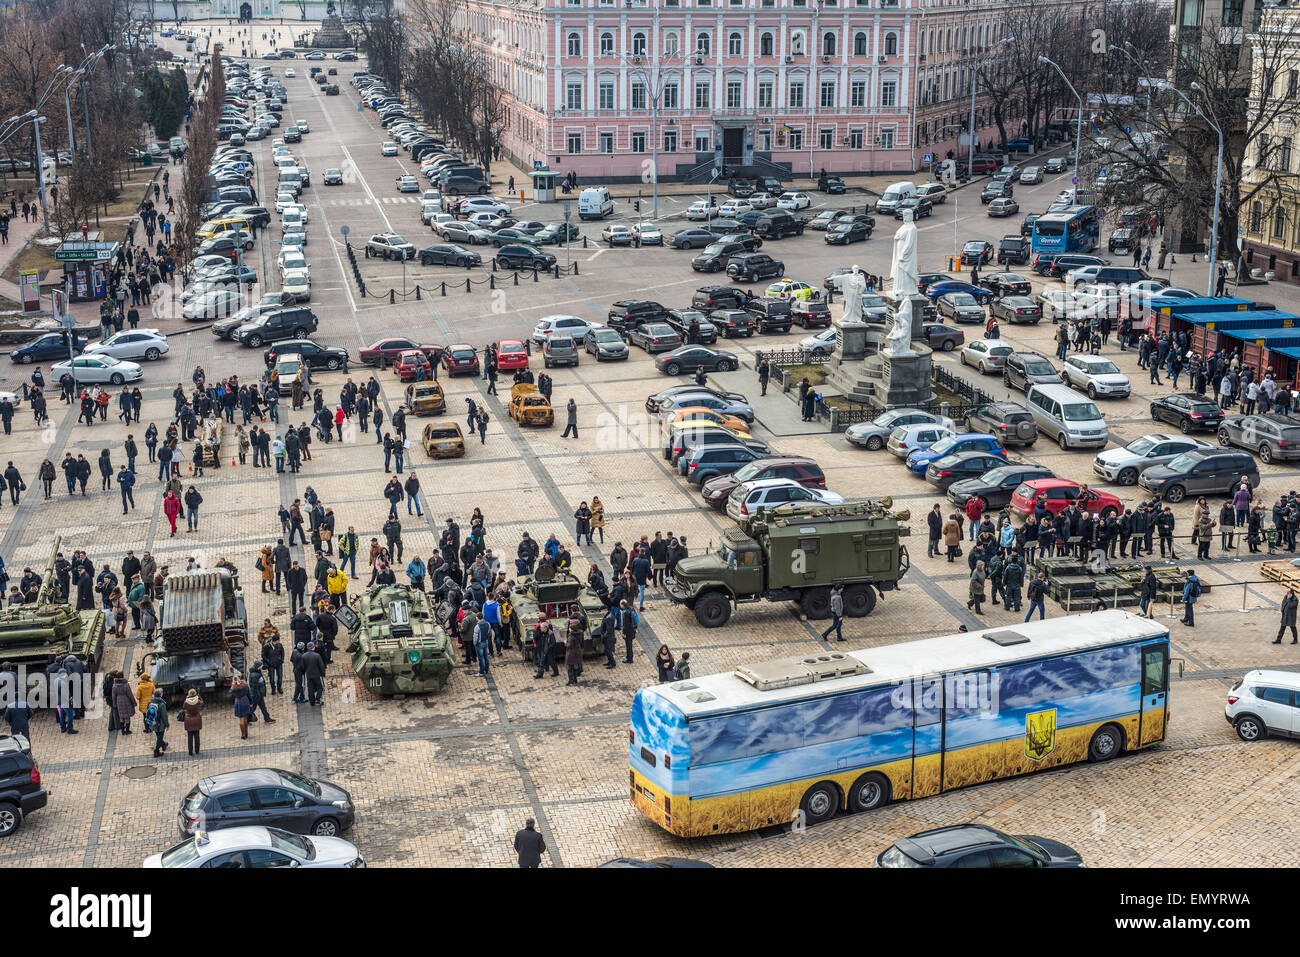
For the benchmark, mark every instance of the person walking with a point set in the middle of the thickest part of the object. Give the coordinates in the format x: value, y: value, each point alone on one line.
x: 837, y: 614
x: 192, y: 710
x: 529, y: 845
x: 1147, y: 599
x: 1288, y: 617
x: 1191, y: 592
x: 977, y: 578
x: 157, y: 720
x: 313, y: 669
x: 1037, y: 593
x: 172, y: 509
x: 124, y: 702
x: 665, y: 663
x: 243, y: 707
x: 571, y: 411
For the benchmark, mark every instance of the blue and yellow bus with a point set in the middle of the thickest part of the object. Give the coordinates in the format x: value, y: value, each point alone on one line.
x: 1073, y: 230
x: 798, y: 739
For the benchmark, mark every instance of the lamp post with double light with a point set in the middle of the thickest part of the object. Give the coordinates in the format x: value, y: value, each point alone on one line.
x: 1078, y: 130
x: 651, y: 72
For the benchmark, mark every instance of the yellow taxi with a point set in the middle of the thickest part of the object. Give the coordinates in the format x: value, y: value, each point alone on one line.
x: 530, y: 407
x: 791, y: 289
x: 443, y: 440
x: 698, y: 415
x: 220, y: 225
x: 426, y: 398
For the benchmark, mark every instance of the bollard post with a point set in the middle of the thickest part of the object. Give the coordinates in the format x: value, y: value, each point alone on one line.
x: 534, y: 274
x: 516, y: 278
x: 575, y: 269
x: 467, y: 283
x: 444, y: 289
x: 1243, y: 596
x: 492, y: 282
x: 584, y: 242
x: 494, y: 264
x: 392, y: 297
x: 835, y: 419
x: 362, y: 284
x: 417, y: 294
x: 557, y: 270
x: 1172, y: 594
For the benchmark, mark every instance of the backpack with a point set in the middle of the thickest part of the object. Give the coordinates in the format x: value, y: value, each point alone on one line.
x: 151, y: 715
x: 1196, y: 589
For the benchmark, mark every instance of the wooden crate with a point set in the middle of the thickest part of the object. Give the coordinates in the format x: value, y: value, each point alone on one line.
x: 1282, y: 572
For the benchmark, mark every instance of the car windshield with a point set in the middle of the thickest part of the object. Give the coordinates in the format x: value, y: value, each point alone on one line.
x: 996, y: 476
x: 1140, y: 446
x: 1080, y: 412
x: 1184, y: 462
x: 182, y: 854
x: 887, y: 420
x: 1039, y: 367
x: 292, y: 844
x: 300, y: 782
x: 944, y: 446
x: 1104, y: 367
x: 963, y: 299
x: 872, y: 302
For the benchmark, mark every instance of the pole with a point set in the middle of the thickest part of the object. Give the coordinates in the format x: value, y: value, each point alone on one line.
x: 72, y: 140
x: 1078, y: 128
x: 1214, y: 222
x: 654, y: 149
x: 85, y: 102
x: 40, y: 172
x: 970, y: 129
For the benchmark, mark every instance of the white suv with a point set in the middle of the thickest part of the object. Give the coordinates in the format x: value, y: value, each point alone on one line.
x: 748, y: 497
x: 1264, y: 703
x: 563, y: 326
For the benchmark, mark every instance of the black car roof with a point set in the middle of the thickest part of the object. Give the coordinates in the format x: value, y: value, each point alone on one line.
x: 247, y: 778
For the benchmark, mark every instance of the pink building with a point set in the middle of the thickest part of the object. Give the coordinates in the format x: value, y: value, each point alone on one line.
x: 599, y: 86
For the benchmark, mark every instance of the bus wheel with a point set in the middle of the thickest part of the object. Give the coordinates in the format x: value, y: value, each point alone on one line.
x: 712, y: 610
x: 816, y: 603
x: 820, y: 803
x: 859, y: 601
x: 869, y: 792
x: 1107, y: 742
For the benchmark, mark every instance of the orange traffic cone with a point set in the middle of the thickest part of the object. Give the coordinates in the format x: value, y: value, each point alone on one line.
x: 232, y: 463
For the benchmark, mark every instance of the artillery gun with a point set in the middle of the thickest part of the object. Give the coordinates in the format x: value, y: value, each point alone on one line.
x: 558, y: 596
x: 396, y: 644
x: 31, y: 633
x: 203, y: 631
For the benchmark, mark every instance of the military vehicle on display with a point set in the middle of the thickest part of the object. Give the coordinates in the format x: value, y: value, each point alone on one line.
x: 797, y: 553
x: 30, y: 633
x: 202, y: 634
x: 397, y: 645
x: 557, y: 596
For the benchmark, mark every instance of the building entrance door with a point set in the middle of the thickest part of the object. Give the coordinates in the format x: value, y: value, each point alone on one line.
x: 733, y: 145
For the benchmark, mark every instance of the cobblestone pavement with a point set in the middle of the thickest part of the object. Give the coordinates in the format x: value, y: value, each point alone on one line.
x: 447, y: 779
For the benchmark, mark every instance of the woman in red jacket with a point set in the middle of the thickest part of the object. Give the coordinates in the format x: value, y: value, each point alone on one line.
x: 172, y: 509
x: 339, y: 418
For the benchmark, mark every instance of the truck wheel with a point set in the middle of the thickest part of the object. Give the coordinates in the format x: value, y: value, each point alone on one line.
x: 820, y: 803
x: 859, y: 601
x: 869, y: 792
x: 712, y: 610
x: 816, y: 603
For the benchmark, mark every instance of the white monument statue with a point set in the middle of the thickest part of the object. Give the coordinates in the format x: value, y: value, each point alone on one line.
x: 906, y: 281
x: 853, y: 286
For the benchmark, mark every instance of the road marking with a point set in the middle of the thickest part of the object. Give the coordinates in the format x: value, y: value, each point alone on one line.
x: 595, y: 254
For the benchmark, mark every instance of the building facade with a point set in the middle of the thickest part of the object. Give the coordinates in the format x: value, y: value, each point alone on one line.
x: 288, y: 10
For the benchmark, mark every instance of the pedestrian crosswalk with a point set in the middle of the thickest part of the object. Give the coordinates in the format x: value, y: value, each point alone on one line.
x: 387, y: 200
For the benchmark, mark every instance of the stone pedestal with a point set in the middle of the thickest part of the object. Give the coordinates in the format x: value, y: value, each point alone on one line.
x: 861, y: 370
x: 919, y: 303
x: 850, y: 338
x: 331, y: 35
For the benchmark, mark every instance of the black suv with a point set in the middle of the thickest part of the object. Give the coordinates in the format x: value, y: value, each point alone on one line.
x: 777, y: 224
x: 680, y: 320
x: 771, y: 313
x: 1057, y: 266
x: 997, y: 190
x: 277, y: 325
x: 1020, y: 370
x: 20, y: 783
x: 752, y: 267
x: 313, y: 353
x: 715, y: 256
x: 1013, y: 251
x: 627, y: 314
x: 708, y: 298
x: 1009, y: 421
x: 740, y: 188
x: 732, y: 322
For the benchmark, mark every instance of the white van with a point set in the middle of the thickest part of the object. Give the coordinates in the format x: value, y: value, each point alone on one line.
x: 1073, y: 420
x: 291, y: 179
x: 595, y: 203
x: 895, y: 195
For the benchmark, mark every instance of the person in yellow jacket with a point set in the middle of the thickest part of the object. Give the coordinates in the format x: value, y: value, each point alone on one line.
x: 598, y: 517
x: 336, y: 583
x: 144, y: 692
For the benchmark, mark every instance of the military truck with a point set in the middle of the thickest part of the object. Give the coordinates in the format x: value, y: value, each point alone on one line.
x: 797, y: 553
x: 558, y: 596
x: 30, y: 633
x: 203, y: 632
x: 397, y: 645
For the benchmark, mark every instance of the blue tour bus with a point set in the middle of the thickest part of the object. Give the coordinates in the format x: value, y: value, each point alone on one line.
x: 1073, y: 230
x: 802, y: 738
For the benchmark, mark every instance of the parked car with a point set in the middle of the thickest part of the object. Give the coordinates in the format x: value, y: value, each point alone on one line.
x: 693, y: 237
x: 960, y: 307
x: 906, y: 439
x: 654, y: 337
x: 711, y: 461
x: 1275, y: 437
x: 1264, y: 703
x: 919, y: 460
x: 918, y: 206
x: 717, y: 254
x: 748, y: 497
x: 684, y: 321
x: 708, y: 298
x: 626, y: 314
x: 1125, y: 465
x: 1097, y: 376
x: 942, y: 472
x: 1010, y: 421
x: 811, y: 314
x: 987, y: 355
x: 1006, y: 284
x: 460, y: 359
x: 1017, y: 310
x: 948, y: 286
x: 681, y: 396
x: 315, y: 355
x: 270, y: 797
x: 572, y: 326
x: 257, y: 846
x: 874, y: 434
x: 977, y: 845
x: 944, y: 338
x: 449, y: 254
x: 388, y: 350
x: 21, y: 789
x: 148, y: 344
x: 732, y: 323
x: 803, y: 471
x: 524, y: 257
x: 1200, y: 472
x: 844, y: 232
x: 995, y: 486
x: 701, y: 210
x: 770, y: 313
x: 1020, y: 370
x: 751, y: 267
x: 604, y: 343
x: 691, y: 358
x: 1057, y: 493
x: 390, y: 246
x: 820, y: 346
x: 87, y: 369
x: 976, y: 251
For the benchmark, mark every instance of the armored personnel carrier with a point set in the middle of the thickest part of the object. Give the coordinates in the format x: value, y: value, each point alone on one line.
x: 558, y: 596
x: 798, y: 553
x: 397, y: 645
x: 203, y: 632
x: 30, y: 633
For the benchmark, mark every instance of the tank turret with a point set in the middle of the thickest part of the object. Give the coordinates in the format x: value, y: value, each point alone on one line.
x: 30, y: 633
x: 558, y: 596
x: 396, y: 644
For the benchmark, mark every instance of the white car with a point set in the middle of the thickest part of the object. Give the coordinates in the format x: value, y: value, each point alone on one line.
x: 987, y: 355
x: 821, y: 345
x: 482, y: 219
x: 906, y: 439
x: 483, y: 204
x: 617, y: 234
x: 454, y: 231
x: 298, y: 208
x: 748, y: 497
x: 407, y: 184
x: 649, y: 234
x: 762, y: 200
x: 702, y: 210
x: 131, y: 344
x: 1146, y: 289
x: 431, y: 196
x: 733, y: 208
x: 96, y: 369
x: 303, y: 127
x: 15, y: 398
x: 256, y: 846
x: 574, y: 326
x: 1264, y: 703
x: 793, y: 200
x: 284, y: 200
x: 288, y: 71
x: 297, y: 284
x: 1127, y: 464
x: 431, y: 213
x: 1097, y: 376
x: 291, y: 259
x: 389, y: 148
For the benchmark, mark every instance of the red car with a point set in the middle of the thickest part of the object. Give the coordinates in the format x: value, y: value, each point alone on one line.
x: 1056, y: 494
x: 409, y: 363
x: 460, y: 359
x: 390, y: 350
x: 511, y: 355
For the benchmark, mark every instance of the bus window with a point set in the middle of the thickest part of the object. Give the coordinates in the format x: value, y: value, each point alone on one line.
x: 1155, y: 676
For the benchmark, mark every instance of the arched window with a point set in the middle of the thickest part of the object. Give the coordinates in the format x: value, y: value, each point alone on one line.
x: 828, y: 44
x: 574, y: 44
x: 859, y: 44
x: 891, y: 44
x: 670, y: 43
x: 606, y: 44
x: 638, y: 44
x: 702, y: 44
x: 766, y: 45
x: 734, y: 44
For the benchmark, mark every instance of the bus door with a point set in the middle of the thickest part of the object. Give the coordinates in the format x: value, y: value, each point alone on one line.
x: 927, y: 737
x: 1155, y: 693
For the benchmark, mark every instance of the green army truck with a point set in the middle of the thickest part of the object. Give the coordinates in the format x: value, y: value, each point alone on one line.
x: 797, y: 553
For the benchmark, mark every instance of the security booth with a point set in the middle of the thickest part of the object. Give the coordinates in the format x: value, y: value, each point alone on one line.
x: 544, y: 185
x: 86, y: 263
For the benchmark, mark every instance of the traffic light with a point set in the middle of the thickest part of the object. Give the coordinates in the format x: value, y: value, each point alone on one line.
x: 964, y: 127
x: 638, y: 205
x: 234, y: 258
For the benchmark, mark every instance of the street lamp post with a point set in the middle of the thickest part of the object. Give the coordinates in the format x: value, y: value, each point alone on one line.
x: 67, y: 108
x: 654, y: 87
x: 1078, y: 131
x: 1218, y: 190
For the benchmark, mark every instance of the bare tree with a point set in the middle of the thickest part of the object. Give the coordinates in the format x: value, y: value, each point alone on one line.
x: 202, y: 145
x: 383, y: 36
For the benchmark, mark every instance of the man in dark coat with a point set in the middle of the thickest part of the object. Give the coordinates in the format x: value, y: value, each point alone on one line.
x: 313, y: 669
x: 544, y: 649
x: 85, y: 592
x: 297, y: 587
x: 530, y: 845
x: 935, y: 522
x: 299, y: 697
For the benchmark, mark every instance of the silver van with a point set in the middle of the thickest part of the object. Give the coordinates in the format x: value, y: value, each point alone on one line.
x: 1073, y: 420
x: 291, y: 179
